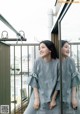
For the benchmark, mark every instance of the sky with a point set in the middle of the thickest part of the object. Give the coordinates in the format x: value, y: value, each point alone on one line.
x: 30, y: 16
x: 70, y: 25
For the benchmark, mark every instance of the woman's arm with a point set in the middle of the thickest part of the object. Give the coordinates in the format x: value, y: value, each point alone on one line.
x: 53, y: 100
x: 74, y: 100
x: 36, y: 98
x: 74, y: 97
x: 54, y: 95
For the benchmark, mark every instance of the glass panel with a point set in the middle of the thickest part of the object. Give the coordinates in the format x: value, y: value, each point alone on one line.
x: 70, y: 31
x: 70, y: 25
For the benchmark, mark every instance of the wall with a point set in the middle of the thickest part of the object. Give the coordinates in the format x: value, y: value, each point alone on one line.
x: 4, y: 74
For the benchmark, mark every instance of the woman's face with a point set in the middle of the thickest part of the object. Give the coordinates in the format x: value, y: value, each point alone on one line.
x: 65, y: 50
x: 44, y: 51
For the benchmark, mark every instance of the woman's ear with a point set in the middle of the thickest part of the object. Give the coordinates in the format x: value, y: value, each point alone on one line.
x: 50, y: 51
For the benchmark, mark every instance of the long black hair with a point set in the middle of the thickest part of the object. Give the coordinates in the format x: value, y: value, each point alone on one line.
x: 51, y: 46
x: 63, y: 42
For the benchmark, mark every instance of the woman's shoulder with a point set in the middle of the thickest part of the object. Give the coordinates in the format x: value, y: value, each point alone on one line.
x: 38, y: 60
x: 70, y: 59
x: 57, y: 60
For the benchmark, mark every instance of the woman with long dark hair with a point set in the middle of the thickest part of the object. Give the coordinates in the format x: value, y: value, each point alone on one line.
x: 44, y: 81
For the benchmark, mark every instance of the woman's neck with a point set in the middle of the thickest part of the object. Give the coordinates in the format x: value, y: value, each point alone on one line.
x: 63, y: 58
x: 47, y: 59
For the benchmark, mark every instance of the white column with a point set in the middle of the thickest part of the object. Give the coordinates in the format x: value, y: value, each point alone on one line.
x: 50, y: 22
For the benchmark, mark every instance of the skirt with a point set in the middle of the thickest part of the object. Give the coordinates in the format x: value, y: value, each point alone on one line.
x: 44, y: 108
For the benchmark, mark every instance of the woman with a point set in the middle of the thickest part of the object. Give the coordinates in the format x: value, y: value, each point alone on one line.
x: 69, y: 80
x: 44, y: 81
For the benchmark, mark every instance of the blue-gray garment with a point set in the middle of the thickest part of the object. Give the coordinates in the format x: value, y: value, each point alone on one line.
x: 45, y: 78
x: 69, y: 79
x: 44, y: 108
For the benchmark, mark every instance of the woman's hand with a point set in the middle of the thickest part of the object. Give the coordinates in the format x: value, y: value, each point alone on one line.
x: 74, y: 98
x: 36, y: 103
x: 52, y: 104
x: 74, y: 102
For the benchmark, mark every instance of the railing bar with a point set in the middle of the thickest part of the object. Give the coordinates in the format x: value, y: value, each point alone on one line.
x: 21, y: 77
x: 14, y: 84
x: 28, y: 69
x: 26, y: 44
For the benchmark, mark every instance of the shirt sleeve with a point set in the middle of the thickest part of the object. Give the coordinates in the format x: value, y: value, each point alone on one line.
x: 58, y: 79
x: 58, y: 84
x: 33, y: 78
x: 74, y: 74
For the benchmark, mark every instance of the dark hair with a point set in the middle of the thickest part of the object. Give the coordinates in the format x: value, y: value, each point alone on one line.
x: 63, y: 42
x: 50, y: 45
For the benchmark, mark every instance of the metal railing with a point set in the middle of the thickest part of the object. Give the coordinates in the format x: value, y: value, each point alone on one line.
x: 75, y: 53
x: 21, y: 58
